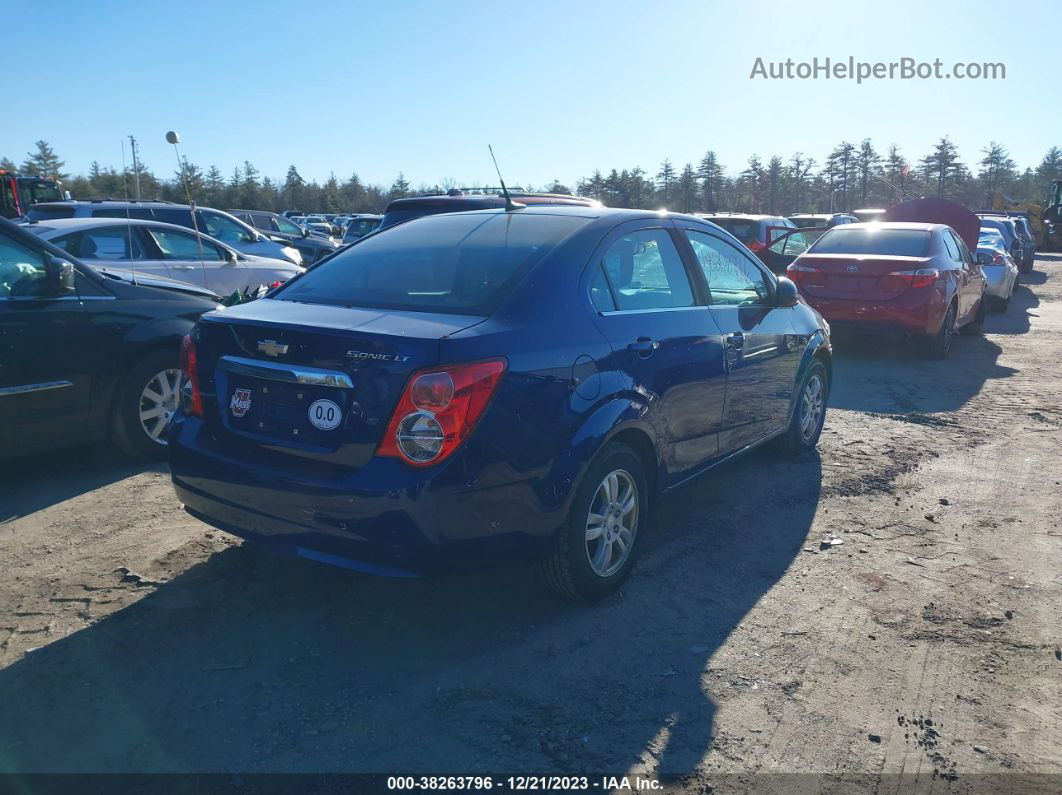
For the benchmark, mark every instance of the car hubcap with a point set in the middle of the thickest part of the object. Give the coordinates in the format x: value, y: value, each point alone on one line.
x: 612, y: 523
x: 811, y: 407
x: 158, y: 402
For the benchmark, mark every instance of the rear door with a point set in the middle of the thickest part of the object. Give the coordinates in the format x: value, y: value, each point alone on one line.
x: 116, y: 248
x: 664, y: 340
x: 785, y: 244
x: 762, y: 349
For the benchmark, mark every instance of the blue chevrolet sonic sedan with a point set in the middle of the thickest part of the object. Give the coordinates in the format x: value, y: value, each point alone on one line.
x: 495, y: 385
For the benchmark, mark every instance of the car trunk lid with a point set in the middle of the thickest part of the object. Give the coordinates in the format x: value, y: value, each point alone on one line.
x: 310, y: 380
x: 858, y: 277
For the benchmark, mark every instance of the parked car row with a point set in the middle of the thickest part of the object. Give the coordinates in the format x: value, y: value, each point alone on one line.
x: 478, y: 378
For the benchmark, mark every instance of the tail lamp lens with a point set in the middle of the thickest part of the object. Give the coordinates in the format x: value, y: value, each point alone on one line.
x: 923, y: 277
x: 805, y: 275
x: 438, y: 410
x: 191, y: 399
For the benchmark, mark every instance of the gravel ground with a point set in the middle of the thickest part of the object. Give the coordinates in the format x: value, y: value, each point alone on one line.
x: 133, y: 638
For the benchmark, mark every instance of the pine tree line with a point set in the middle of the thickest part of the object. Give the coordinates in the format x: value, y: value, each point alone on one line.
x: 851, y: 176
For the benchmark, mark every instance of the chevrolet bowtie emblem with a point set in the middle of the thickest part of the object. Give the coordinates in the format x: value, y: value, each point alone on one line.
x: 272, y: 347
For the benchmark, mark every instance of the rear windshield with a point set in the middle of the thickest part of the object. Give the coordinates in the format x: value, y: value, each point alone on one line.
x: 743, y: 230
x: 459, y: 264
x: 361, y: 227
x: 886, y: 242
x: 49, y: 212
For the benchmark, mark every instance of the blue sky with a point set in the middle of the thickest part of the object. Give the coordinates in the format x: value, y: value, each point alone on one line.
x: 559, y: 88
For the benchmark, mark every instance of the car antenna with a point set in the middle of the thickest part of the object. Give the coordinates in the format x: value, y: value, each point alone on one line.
x: 128, y: 221
x: 510, y: 205
x: 173, y: 137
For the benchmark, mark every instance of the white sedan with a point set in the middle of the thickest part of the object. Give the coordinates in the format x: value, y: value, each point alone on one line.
x: 159, y: 249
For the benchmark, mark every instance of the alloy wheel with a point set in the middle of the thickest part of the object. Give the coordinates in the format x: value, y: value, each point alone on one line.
x: 612, y: 523
x: 158, y: 402
x: 812, y: 404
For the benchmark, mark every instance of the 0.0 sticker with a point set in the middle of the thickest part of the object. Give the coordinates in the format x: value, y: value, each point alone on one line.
x: 325, y: 414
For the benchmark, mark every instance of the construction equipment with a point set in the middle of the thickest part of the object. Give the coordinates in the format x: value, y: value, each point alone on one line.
x: 1052, y: 217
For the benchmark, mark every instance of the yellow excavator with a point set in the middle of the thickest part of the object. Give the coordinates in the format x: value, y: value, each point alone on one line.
x: 1045, y: 220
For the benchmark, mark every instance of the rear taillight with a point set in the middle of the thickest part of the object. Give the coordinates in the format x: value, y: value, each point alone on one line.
x: 804, y: 275
x: 923, y: 277
x: 755, y: 245
x: 997, y: 259
x: 191, y: 399
x: 438, y: 410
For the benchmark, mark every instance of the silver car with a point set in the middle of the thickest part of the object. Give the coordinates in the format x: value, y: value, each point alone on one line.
x: 167, y: 250
x: 1001, y: 271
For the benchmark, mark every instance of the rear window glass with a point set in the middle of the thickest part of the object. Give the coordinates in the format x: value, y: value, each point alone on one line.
x: 361, y: 227
x: 743, y: 230
x: 887, y: 242
x: 49, y: 212
x: 460, y: 264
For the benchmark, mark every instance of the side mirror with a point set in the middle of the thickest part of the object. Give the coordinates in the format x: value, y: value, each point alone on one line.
x: 60, y: 276
x: 786, y: 293
x: 230, y: 257
x: 305, y: 231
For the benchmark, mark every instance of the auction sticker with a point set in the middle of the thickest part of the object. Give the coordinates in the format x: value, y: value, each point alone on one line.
x: 325, y: 414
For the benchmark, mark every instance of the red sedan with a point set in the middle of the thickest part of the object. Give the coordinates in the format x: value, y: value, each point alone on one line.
x: 915, y: 279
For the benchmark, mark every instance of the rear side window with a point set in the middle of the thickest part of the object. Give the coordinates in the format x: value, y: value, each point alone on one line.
x: 459, y: 264
x: 884, y: 242
x: 600, y: 293
x: 112, y: 243
x: 646, y: 272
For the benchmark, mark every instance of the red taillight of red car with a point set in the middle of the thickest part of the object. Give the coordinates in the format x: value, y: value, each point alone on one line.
x: 191, y: 398
x: 805, y: 275
x: 438, y: 410
x: 923, y: 277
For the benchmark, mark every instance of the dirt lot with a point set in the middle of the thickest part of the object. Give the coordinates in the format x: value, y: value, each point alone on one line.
x: 927, y: 643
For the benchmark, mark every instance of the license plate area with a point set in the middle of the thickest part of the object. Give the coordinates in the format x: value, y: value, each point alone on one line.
x: 271, y: 403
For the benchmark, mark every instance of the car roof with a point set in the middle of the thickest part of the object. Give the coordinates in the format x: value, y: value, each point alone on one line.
x: 877, y: 225
x: 739, y: 216
x: 73, y: 224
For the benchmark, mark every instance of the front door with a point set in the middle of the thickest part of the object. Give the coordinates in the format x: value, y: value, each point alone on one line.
x: 762, y: 348
x: 45, y: 376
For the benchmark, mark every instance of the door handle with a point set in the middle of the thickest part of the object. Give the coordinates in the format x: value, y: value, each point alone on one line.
x: 644, y: 346
x: 735, y: 340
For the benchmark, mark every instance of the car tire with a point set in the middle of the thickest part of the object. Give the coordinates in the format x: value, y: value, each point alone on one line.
x: 939, y: 345
x: 977, y: 325
x: 809, y: 413
x: 146, y: 401
x: 1026, y: 267
x: 587, y: 567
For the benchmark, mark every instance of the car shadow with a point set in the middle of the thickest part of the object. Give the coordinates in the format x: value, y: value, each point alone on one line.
x: 1016, y: 320
x: 893, y: 377
x: 250, y: 661
x: 33, y: 483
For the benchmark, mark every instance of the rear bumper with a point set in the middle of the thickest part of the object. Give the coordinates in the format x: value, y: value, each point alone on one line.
x: 918, y: 312
x: 996, y: 279
x: 384, y: 518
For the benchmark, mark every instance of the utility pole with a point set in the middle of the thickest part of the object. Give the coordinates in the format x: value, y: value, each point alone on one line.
x: 136, y: 167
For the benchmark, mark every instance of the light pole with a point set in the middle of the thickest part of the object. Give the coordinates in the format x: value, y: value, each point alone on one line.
x: 173, y: 138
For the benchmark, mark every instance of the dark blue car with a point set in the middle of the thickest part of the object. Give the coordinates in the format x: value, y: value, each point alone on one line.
x: 494, y: 386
